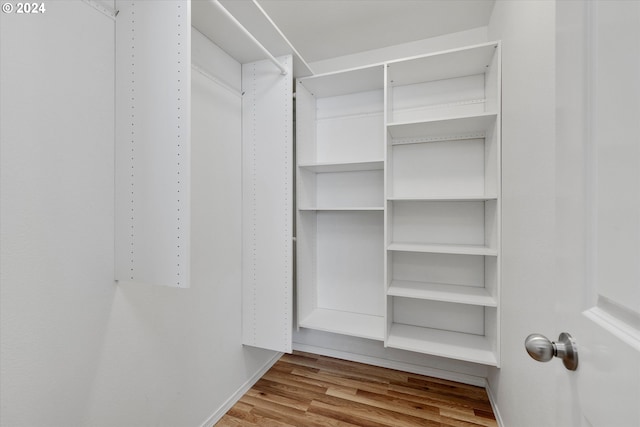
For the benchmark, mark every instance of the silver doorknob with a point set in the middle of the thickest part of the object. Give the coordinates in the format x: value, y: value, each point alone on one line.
x: 542, y: 349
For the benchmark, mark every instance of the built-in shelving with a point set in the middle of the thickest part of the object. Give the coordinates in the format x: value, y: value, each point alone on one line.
x: 442, y: 178
x: 398, y: 203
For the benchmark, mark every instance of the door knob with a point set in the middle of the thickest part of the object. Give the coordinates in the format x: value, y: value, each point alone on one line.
x: 542, y: 349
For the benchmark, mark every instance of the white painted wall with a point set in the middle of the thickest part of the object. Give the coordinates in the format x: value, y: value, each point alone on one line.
x: 75, y: 348
x: 525, y: 389
x: 56, y: 201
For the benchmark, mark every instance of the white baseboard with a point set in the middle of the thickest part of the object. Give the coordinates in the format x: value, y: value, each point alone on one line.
x: 219, y: 413
x: 494, y: 406
x: 392, y: 364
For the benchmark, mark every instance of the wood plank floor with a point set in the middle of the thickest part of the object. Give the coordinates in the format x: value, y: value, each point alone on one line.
x: 306, y: 390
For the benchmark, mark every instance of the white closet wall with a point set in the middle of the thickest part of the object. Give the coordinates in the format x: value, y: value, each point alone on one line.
x: 56, y: 212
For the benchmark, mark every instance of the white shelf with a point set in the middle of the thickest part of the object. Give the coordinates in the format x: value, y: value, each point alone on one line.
x: 442, y: 65
x: 347, y: 323
x: 443, y: 249
x: 347, y: 209
x: 463, y: 126
x: 345, y: 82
x: 443, y: 199
x: 442, y: 292
x: 343, y: 166
x: 454, y: 345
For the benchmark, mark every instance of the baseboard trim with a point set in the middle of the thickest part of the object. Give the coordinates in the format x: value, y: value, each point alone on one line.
x: 219, y: 413
x: 392, y: 364
x: 494, y: 406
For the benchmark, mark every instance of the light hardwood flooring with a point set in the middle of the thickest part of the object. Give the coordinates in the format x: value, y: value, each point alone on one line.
x: 305, y: 390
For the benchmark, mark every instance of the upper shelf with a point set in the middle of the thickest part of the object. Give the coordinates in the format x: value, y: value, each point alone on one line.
x: 437, y: 129
x: 447, y: 65
x: 345, y: 82
x: 343, y: 166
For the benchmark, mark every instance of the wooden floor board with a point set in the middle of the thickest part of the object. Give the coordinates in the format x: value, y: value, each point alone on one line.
x: 438, y: 399
x: 308, y: 390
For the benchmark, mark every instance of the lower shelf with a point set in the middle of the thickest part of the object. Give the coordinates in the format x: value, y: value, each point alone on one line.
x: 346, y: 323
x: 454, y: 345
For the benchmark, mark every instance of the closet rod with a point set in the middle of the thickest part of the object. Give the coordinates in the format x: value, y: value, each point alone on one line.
x: 264, y: 50
x: 275, y: 27
x: 215, y: 80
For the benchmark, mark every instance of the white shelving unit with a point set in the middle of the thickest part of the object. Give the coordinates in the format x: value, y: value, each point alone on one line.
x: 398, y: 203
x: 443, y: 204
x: 340, y: 202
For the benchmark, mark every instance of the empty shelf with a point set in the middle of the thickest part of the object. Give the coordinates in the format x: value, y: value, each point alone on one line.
x: 441, y: 292
x: 345, y: 82
x: 455, y: 345
x: 450, y: 128
x: 481, y: 198
x: 343, y: 166
x: 443, y: 249
x: 347, y: 323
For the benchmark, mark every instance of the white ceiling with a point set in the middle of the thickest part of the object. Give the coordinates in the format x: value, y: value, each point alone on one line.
x: 322, y: 29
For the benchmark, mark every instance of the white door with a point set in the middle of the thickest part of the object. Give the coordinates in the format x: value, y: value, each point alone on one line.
x: 598, y: 211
